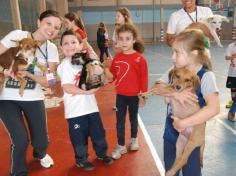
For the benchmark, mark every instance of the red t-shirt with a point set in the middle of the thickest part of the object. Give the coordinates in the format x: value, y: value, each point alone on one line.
x: 130, y: 72
x: 82, y: 34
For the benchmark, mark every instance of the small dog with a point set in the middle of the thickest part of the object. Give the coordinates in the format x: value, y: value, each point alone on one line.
x: 92, y: 74
x: 18, y: 58
x: 210, y: 26
x: 192, y: 137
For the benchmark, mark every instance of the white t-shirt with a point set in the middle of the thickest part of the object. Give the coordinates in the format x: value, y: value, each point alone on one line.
x: 179, y: 20
x: 35, y: 92
x: 75, y: 105
x: 231, y: 49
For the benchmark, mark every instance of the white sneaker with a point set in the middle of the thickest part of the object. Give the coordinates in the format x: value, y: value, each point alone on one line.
x: 133, y: 146
x: 120, y: 150
x: 46, y: 161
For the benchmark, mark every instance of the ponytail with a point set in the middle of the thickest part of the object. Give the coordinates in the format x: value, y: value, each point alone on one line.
x: 139, y: 46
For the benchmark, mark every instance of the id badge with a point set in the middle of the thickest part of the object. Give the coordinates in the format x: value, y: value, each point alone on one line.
x: 51, y: 79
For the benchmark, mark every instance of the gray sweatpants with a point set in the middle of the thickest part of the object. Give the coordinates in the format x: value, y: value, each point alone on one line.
x: 11, y: 114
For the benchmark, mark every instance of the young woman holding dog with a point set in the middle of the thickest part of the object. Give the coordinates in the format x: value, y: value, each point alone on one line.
x: 180, y: 19
x: 190, y: 51
x: 130, y: 72
x: 31, y: 104
x: 81, y: 109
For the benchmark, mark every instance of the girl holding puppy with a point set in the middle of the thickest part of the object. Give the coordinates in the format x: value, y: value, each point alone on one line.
x: 130, y: 71
x: 81, y: 110
x: 190, y: 51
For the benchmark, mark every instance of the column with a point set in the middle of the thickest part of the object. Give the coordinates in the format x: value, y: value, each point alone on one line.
x: 15, y: 12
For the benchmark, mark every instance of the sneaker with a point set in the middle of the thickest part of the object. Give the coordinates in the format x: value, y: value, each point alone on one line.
x: 120, y: 150
x: 231, y: 116
x: 86, y: 165
x: 229, y: 104
x: 107, y: 160
x: 46, y: 161
x: 133, y: 146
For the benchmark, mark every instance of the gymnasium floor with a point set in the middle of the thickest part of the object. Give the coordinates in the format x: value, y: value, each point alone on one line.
x: 219, y: 155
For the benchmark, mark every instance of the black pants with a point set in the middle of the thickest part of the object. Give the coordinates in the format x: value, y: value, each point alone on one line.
x: 122, y: 103
x: 12, y: 118
x: 82, y: 127
x: 103, y: 50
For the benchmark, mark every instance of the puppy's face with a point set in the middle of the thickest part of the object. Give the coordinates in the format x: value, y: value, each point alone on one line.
x: 182, y: 78
x: 215, y: 21
x: 27, y: 49
x: 95, y: 68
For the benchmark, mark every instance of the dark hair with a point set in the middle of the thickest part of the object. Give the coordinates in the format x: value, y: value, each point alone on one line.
x: 138, y: 45
x: 68, y: 32
x: 102, y: 28
x: 49, y: 13
x: 77, y: 19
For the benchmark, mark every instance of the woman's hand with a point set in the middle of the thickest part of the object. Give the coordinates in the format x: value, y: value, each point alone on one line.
x: 186, y: 96
x: 23, y: 74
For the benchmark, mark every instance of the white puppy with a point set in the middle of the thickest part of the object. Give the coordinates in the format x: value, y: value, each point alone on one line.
x: 214, y: 24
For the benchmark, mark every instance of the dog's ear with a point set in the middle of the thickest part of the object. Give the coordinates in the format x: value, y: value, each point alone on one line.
x: 17, y: 42
x: 223, y: 18
x: 210, y: 18
x: 37, y: 43
x: 89, y: 69
x: 196, y: 82
x: 170, y: 76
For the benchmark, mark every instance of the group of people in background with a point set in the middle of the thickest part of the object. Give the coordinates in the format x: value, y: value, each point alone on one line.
x: 81, y: 110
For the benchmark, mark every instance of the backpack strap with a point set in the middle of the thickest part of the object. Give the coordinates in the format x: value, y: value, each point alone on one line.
x: 201, y: 100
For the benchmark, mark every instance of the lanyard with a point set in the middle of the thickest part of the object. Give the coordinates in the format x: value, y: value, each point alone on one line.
x: 190, y: 15
x: 45, y: 55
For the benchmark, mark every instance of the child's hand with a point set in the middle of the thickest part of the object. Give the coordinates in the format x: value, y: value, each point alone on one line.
x: 186, y: 96
x: 142, y: 101
x: 178, y: 124
x: 107, y: 63
x: 91, y: 91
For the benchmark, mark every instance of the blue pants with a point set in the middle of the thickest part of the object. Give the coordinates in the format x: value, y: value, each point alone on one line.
x: 233, y: 107
x: 122, y: 103
x: 80, y: 128
x: 192, y: 168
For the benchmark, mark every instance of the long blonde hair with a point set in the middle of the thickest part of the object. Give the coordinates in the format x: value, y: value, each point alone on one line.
x: 193, y: 39
x: 126, y: 14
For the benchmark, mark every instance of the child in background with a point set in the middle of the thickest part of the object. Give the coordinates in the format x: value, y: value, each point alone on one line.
x: 81, y: 109
x: 130, y: 71
x: 74, y: 22
x: 231, y: 80
x: 102, y: 41
x: 190, y: 51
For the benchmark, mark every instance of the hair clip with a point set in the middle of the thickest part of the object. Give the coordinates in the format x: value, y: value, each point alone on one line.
x: 206, y: 42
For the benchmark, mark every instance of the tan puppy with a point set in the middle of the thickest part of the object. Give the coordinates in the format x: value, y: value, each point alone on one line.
x: 192, y: 137
x: 18, y: 58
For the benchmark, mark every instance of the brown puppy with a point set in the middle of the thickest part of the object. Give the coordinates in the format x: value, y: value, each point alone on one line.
x: 192, y: 137
x: 18, y: 58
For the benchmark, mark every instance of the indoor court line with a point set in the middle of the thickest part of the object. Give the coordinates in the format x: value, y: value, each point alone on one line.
x: 151, y: 147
